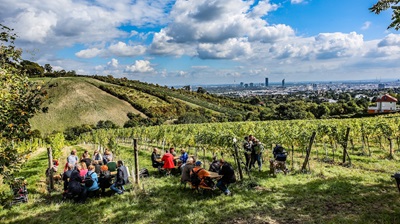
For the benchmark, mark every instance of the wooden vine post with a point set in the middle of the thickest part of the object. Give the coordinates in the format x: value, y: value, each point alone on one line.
x: 136, y: 156
x: 50, y: 169
x: 237, y: 159
x: 345, y: 153
x: 306, y: 160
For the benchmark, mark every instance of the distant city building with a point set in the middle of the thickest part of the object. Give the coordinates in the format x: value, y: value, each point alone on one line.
x: 266, y: 81
x: 381, y: 86
x: 251, y: 84
x: 384, y: 104
x: 314, y: 86
x: 241, y: 84
x: 246, y: 85
x: 283, y: 82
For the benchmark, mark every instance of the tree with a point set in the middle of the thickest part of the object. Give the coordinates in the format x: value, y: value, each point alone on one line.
x: 48, y: 68
x: 383, y: 5
x: 20, y: 99
x: 201, y: 90
x: 32, y: 69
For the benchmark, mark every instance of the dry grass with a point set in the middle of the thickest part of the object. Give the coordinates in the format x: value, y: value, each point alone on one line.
x: 73, y: 101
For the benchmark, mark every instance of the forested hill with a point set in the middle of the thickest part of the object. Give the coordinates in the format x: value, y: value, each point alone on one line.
x: 78, y: 101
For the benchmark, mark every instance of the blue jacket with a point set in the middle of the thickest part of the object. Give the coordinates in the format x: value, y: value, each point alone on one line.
x: 95, y: 185
x: 184, y: 157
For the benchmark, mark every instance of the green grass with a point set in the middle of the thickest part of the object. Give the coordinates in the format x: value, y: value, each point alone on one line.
x: 329, y: 194
x: 76, y: 101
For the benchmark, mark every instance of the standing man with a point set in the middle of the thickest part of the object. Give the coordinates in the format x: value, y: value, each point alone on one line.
x: 258, y: 150
x: 228, y: 176
x: 247, y: 147
x: 121, y: 179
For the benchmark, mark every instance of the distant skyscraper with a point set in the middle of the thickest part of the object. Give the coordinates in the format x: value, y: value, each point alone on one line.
x: 283, y: 82
x: 266, y: 81
x: 251, y: 84
x: 241, y: 84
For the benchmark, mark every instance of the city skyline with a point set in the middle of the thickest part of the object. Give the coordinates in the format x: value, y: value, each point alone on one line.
x: 188, y: 42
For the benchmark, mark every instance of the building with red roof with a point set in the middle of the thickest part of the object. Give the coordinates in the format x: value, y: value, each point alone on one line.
x: 384, y: 104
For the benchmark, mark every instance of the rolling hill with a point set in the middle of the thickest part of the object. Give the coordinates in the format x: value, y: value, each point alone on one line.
x: 77, y: 101
x: 74, y: 101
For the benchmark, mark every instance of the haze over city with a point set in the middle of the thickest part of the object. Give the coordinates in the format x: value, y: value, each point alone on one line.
x: 187, y: 42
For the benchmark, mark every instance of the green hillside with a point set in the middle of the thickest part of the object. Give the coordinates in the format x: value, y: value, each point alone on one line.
x: 74, y: 101
x: 77, y: 101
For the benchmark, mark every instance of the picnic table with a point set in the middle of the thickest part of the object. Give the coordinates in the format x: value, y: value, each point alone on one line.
x: 214, y: 175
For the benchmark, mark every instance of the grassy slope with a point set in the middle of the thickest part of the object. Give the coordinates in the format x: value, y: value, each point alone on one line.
x: 75, y: 101
x: 330, y: 194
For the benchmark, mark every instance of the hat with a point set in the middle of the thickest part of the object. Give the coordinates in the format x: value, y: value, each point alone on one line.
x: 198, y: 163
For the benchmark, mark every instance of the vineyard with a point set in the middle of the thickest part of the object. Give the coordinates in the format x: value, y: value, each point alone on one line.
x: 329, y: 192
x: 383, y: 132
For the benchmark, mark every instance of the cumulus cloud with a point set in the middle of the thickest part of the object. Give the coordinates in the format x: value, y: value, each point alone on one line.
x: 140, y: 66
x: 88, y: 53
x: 332, y: 45
x: 230, y: 49
x: 390, y: 40
x: 215, y: 21
x: 124, y: 50
x: 113, y: 63
x: 67, y: 22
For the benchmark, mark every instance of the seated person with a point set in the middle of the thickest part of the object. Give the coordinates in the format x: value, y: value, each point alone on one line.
x: 168, y: 160
x: 105, y: 180
x: 185, y: 177
x: 82, y: 169
x: 108, y: 156
x: 67, y: 175
x: 112, y: 166
x: 97, y: 157
x: 85, y: 159
x: 121, y: 179
x: 280, y: 156
x: 279, y: 153
x: 94, y: 185
x: 155, y: 159
x: 228, y: 176
x: 75, y: 188
x: 97, y: 167
x: 214, y: 166
x: 184, y: 156
x: 204, y: 176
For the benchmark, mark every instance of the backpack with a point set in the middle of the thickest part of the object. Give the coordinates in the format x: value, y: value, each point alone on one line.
x: 194, y: 177
x: 144, y: 173
x: 89, y: 180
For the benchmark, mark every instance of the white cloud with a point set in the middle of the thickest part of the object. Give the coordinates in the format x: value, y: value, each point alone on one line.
x: 113, y: 63
x: 296, y: 1
x: 366, y: 25
x: 140, y: 66
x: 124, y: 50
x: 390, y: 40
x: 88, y: 53
x: 230, y: 49
x: 215, y: 22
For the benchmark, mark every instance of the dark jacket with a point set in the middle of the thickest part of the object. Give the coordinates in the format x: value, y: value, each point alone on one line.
x: 66, y: 176
x: 214, y: 166
x: 122, y: 176
x: 228, y: 173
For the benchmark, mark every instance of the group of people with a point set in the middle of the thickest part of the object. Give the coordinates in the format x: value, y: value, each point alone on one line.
x: 253, y: 149
x: 190, y: 169
x: 85, y: 177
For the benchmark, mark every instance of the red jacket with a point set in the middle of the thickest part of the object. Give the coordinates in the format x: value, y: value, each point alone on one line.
x: 168, y: 159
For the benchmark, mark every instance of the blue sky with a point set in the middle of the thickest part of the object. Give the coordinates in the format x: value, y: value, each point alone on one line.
x: 208, y: 41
